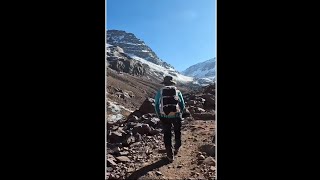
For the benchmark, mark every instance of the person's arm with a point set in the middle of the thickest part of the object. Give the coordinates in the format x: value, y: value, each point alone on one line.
x: 181, y: 101
x: 157, y: 103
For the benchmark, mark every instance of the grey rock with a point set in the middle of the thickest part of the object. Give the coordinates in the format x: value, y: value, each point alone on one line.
x: 141, y: 129
x: 210, y: 161
x: 147, y: 106
x: 123, y: 159
x: 111, y: 162
x: 201, y: 157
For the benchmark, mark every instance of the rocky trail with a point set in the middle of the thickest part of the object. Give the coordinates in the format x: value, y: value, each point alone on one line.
x: 195, y: 160
x: 135, y: 148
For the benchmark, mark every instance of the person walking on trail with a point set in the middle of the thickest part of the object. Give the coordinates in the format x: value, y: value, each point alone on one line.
x: 169, y: 107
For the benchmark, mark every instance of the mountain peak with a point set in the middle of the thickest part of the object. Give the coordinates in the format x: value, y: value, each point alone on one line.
x: 133, y: 45
x: 205, y: 69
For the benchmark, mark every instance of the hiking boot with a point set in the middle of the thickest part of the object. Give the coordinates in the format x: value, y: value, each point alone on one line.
x: 170, y: 158
x: 169, y: 154
x: 176, y: 151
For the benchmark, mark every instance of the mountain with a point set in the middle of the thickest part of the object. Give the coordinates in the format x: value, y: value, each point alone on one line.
x: 203, y: 72
x: 125, y: 50
x: 132, y: 45
x: 121, y: 62
x: 204, y: 69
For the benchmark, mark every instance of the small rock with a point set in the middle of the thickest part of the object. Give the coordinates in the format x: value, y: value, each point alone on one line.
x: 148, y: 152
x: 138, y: 137
x: 179, y: 166
x: 212, y: 168
x: 158, y: 173
x: 130, y: 170
x: 129, y: 140
x: 201, y: 157
x: 124, y: 153
x: 209, y: 161
x: 116, y: 150
x: 123, y: 158
x: 135, y: 144
x: 109, y: 169
x: 110, y: 162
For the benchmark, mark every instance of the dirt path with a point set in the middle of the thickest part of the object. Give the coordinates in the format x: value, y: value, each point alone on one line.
x: 196, y: 141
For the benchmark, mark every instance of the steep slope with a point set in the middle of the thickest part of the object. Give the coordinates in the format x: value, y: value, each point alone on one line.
x: 121, y: 62
x: 124, y: 50
x: 132, y: 45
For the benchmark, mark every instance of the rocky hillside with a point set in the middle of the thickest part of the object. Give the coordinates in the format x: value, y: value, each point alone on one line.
x: 135, y: 148
x: 121, y: 62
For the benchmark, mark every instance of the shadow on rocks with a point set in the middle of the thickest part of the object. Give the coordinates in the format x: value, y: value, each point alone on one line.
x: 209, y: 149
x: 143, y: 171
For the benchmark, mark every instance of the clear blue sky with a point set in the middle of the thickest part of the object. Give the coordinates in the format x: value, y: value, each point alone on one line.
x: 180, y: 32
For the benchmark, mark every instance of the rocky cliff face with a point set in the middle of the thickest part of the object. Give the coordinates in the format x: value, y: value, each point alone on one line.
x: 132, y: 45
x: 121, y: 62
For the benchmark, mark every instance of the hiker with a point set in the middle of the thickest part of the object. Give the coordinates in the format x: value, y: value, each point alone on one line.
x: 169, y: 107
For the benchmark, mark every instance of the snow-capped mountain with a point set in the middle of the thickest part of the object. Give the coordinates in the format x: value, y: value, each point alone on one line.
x: 203, y: 73
x: 159, y: 71
x: 132, y: 45
x: 124, y: 50
x: 206, y: 69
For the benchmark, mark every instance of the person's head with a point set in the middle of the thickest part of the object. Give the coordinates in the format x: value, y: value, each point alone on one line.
x: 168, y: 81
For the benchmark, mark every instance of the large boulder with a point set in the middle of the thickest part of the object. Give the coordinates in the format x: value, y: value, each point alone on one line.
x: 209, y: 102
x: 141, y: 129
x: 136, y: 115
x: 147, y: 106
x: 115, y: 137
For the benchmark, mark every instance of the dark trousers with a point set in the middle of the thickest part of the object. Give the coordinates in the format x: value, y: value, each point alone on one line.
x: 167, y: 123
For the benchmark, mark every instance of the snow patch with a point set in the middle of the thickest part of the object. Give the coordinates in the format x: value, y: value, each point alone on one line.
x: 156, y: 69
